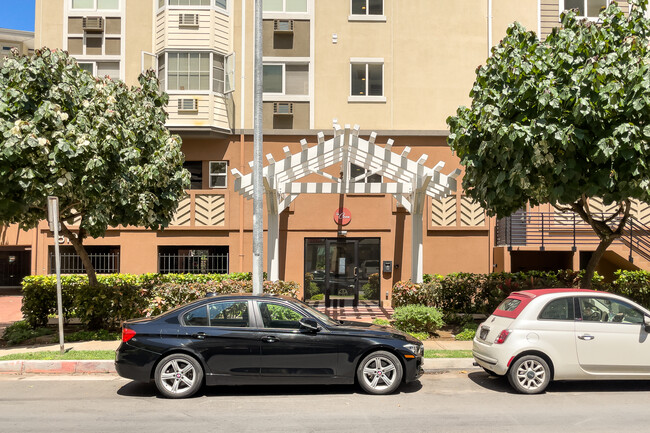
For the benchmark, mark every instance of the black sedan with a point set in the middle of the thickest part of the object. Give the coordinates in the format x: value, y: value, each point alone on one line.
x: 247, y: 339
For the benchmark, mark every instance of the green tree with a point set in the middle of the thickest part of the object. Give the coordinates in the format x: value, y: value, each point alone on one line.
x: 562, y: 120
x: 97, y: 144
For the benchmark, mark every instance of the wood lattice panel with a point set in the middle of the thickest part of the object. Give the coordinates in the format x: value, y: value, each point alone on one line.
x: 210, y: 210
x: 471, y: 213
x: 182, y: 214
x: 443, y: 212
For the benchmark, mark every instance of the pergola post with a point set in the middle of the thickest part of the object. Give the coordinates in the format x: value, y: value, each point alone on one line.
x: 417, y: 264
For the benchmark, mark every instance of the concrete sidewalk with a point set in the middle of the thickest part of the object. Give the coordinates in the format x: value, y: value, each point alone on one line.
x: 431, y: 365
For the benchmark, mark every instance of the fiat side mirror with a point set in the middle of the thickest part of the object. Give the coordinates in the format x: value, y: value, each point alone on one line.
x: 646, y: 323
x: 309, y: 324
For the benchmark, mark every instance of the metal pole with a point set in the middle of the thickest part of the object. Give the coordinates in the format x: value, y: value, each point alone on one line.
x: 53, y: 213
x: 258, y: 228
x: 631, y: 259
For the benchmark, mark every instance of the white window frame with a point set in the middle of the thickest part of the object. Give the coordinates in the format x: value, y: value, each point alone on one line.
x: 211, y: 6
x: 283, y: 96
x: 367, y: 16
x: 562, y: 9
x: 366, y: 97
x: 119, y: 7
x: 367, y: 173
x: 211, y: 174
x: 284, y: 9
x: 94, y: 63
x: 228, y: 62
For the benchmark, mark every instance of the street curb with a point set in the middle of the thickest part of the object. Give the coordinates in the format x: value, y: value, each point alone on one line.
x: 57, y: 367
x: 430, y: 366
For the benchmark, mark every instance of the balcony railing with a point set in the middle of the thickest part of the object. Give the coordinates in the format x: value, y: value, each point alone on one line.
x: 200, y: 264
x: 547, y: 229
x: 104, y: 263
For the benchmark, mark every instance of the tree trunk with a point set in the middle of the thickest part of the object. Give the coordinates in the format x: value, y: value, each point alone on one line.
x: 77, y: 243
x: 593, y: 262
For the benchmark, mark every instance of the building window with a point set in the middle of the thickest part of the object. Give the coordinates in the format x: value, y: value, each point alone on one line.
x: 286, y: 79
x: 102, y: 69
x: 367, y: 7
x: 196, y: 173
x: 100, y: 5
x: 223, y: 4
x: 585, y: 8
x: 193, y: 260
x: 367, y: 79
x: 191, y: 71
x: 218, y: 174
x: 357, y: 171
x: 290, y: 6
x: 105, y: 259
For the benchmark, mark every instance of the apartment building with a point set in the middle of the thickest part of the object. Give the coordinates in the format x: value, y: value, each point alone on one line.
x: 22, y: 40
x: 395, y: 68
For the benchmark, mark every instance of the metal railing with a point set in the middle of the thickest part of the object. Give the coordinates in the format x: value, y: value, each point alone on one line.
x: 199, y: 264
x: 548, y: 229
x: 104, y: 263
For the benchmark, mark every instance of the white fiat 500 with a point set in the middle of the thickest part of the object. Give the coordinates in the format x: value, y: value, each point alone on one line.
x: 535, y: 336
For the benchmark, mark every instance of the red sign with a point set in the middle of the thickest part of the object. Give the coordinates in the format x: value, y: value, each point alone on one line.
x: 342, y: 216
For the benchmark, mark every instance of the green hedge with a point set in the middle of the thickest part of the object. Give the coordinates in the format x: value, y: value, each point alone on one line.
x: 466, y: 293
x: 121, y: 297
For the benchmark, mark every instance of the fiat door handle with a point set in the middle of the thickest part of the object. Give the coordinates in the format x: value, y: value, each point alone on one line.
x: 586, y: 337
x: 199, y: 335
x: 270, y: 339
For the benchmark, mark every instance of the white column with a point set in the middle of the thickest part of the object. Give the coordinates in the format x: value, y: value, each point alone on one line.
x: 272, y: 242
x: 417, y: 265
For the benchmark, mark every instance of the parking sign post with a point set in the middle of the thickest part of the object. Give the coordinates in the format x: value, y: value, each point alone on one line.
x: 53, y: 221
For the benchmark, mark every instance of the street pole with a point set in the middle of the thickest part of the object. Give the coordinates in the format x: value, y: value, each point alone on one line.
x: 53, y: 220
x: 258, y: 217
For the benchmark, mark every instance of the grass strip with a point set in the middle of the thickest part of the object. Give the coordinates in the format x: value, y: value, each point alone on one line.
x: 56, y: 356
x: 447, y: 353
x: 110, y: 355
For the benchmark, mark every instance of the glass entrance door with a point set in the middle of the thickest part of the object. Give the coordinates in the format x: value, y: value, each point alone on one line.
x: 341, y: 272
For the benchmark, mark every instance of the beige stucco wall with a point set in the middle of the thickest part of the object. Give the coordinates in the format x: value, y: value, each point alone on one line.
x: 139, y: 37
x: 296, y: 44
x: 48, y: 24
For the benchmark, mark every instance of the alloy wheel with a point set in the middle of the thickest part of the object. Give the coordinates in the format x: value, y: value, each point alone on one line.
x: 379, y: 372
x: 178, y: 376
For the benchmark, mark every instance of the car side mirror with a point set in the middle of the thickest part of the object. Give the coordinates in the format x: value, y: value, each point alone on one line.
x: 646, y: 323
x: 309, y: 324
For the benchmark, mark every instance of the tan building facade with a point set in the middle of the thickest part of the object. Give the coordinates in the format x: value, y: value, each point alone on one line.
x: 395, y: 67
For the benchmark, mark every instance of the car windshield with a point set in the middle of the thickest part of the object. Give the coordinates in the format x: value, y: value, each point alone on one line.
x: 314, y: 312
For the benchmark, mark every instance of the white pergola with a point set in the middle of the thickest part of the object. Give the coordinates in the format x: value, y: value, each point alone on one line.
x: 409, y: 182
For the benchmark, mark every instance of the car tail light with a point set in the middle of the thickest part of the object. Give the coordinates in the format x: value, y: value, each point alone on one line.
x: 502, y: 337
x: 127, y: 334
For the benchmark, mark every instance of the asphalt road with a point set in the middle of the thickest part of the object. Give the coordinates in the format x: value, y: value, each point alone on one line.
x: 452, y: 402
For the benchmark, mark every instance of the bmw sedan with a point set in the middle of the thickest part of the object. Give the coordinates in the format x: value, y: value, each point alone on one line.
x: 536, y: 336
x: 247, y: 339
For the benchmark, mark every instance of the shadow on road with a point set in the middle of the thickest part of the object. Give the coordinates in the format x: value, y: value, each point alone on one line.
x: 500, y: 384
x: 138, y: 389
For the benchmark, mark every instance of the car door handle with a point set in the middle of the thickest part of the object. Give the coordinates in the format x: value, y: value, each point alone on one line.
x: 586, y: 337
x: 270, y: 339
x: 199, y: 335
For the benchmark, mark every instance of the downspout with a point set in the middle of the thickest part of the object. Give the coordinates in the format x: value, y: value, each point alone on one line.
x: 489, y: 27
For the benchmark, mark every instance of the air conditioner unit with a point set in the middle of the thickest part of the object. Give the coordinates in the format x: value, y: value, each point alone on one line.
x: 283, y: 26
x: 93, y: 24
x: 188, y: 105
x: 283, y: 108
x: 188, y: 20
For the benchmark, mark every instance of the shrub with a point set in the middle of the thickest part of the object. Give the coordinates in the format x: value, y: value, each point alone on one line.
x: 634, y: 285
x: 101, y: 334
x: 468, y: 332
x: 419, y: 335
x: 20, y: 331
x: 381, y: 322
x: 371, y: 288
x: 319, y: 297
x: 417, y: 318
x: 407, y: 293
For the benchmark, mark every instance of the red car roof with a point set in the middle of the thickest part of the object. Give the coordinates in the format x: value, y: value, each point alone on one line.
x: 525, y: 296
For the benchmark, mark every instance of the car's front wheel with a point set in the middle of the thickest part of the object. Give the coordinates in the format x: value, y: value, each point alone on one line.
x: 529, y: 374
x: 380, y: 373
x: 178, y: 375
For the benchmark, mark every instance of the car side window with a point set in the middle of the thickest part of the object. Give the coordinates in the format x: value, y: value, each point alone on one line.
x: 608, y: 310
x: 229, y: 314
x: 279, y: 316
x: 196, y: 317
x: 558, y: 309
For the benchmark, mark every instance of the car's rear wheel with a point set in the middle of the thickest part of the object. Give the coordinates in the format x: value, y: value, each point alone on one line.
x: 380, y: 373
x: 529, y: 374
x: 178, y: 375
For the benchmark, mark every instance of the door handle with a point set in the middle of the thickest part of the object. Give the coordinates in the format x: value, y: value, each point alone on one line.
x: 199, y: 335
x: 270, y: 339
x: 586, y: 337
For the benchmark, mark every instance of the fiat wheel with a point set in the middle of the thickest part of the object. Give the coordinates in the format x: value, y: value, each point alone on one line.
x: 178, y: 376
x: 379, y: 373
x: 529, y: 375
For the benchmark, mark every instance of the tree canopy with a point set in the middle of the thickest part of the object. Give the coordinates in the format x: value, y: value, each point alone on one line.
x: 96, y: 143
x: 562, y: 120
